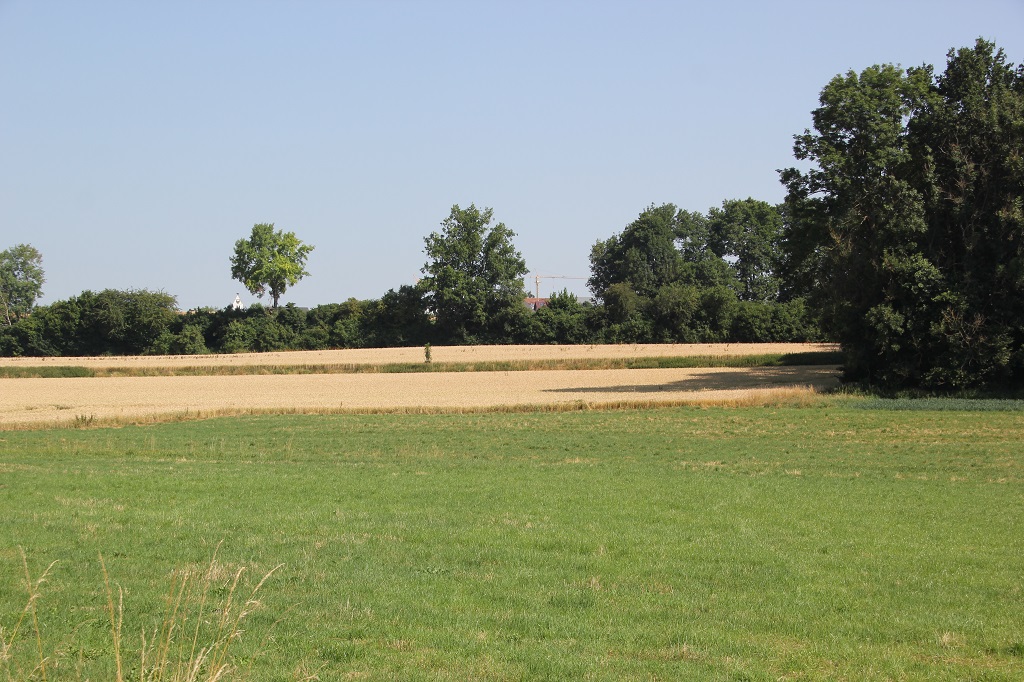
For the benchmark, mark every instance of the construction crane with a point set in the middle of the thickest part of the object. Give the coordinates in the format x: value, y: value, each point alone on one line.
x: 538, y: 278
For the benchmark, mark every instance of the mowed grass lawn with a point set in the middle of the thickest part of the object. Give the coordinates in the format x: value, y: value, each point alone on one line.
x: 821, y: 542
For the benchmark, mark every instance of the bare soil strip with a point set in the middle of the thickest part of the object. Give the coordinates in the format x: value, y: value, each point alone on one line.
x: 379, y: 356
x: 55, y: 401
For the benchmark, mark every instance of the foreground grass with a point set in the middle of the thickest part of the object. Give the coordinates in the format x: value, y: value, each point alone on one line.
x: 682, y: 362
x: 828, y: 542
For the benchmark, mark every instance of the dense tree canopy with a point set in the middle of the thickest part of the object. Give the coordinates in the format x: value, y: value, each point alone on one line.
x: 269, y: 260
x: 909, y: 229
x: 21, y: 281
x: 473, y: 279
x: 683, y: 276
x: 731, y: 247
x: 747, y: 234
x: 643, y: 256
x: 109, y: 322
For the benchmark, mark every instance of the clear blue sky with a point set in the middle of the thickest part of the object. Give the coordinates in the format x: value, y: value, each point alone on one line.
x: 139, y: 140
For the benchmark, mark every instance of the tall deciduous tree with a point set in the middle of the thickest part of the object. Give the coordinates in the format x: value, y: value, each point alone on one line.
x: 21, y: 281
x: 969, y: 142
x: 909, y: 227
x: 747, y: 232
x: 474, y: 278
x: 662, y: 246
x: 643, y: 256
x: 269, y: 260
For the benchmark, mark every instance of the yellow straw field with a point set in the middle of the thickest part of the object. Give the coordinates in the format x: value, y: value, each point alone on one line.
x: 32, y: 401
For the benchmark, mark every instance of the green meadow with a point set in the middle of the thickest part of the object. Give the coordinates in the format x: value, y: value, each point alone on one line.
x: 846, y: 540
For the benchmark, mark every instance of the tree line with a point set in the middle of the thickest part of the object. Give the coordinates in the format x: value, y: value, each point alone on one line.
x: 902, y: 238
x: 471, y: 292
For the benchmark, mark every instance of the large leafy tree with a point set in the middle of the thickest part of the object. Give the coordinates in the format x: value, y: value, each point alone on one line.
x: 662, y: 246
x: 643, y: 256
x: 969, y: 142
x: 908, y: 227
x: 473, y: 279
x: 661, y: 279
x: 747, y: 232
x: 684, y: 276
x: 855, y: 215
x: 269, y: 260
x: 21, y: 281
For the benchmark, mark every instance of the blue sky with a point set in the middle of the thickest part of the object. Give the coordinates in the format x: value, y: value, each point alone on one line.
x: 139, y: 140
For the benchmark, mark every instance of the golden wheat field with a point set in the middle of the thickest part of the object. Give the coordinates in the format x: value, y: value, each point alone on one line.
x: 377, y: 356
x: 24, y: 402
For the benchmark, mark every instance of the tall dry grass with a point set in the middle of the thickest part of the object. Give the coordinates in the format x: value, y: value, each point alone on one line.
x: 9, y: 638
x: 191, y: 643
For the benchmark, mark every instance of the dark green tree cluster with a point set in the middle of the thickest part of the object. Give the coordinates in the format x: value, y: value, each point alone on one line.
x: 907, y: 233
x: 109, y: 322
x: 680, y: 276
x: 140, y: 322
x: 396, y: 319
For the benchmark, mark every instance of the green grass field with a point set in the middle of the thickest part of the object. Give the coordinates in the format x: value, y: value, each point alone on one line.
x: 839, y: 541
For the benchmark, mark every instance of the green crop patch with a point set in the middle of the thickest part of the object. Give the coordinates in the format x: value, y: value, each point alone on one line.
x: 42, y: 372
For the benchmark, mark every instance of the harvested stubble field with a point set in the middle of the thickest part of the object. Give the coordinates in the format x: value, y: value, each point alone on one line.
x: 50, y: 401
